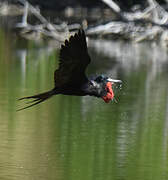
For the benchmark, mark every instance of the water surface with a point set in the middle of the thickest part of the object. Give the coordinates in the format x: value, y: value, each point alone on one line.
x: 72, y: 138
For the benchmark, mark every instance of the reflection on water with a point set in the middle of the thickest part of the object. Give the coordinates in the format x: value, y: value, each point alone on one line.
x: 82, y: 137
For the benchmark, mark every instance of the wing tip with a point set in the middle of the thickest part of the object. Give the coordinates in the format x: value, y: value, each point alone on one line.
x: 80, y: 35
x: 81, y: 32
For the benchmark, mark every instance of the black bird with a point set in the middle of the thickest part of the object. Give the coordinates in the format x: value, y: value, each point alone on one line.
x: 70, y: 78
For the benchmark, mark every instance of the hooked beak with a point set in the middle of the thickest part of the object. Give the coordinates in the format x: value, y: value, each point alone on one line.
x: 114, y: 80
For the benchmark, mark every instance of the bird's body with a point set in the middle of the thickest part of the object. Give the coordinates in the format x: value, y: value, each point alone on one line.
x: 70, y: 78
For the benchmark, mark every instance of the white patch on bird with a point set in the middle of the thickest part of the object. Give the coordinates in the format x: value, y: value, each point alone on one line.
x: 95, y: 84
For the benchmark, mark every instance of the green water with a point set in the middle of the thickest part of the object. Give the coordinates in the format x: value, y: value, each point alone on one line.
x: 82, y: 138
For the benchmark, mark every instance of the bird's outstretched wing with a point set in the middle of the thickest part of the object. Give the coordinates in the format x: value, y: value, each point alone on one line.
x: 74, y: 59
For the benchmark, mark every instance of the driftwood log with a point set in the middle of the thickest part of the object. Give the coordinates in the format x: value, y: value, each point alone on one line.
x: 44, y: 28
x: 149, y: 24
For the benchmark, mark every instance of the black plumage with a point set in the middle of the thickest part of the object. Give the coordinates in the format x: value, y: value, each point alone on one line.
x: 74, y: 59
x: 70, y: 77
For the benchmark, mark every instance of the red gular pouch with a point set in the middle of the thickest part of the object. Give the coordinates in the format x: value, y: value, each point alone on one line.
x: 110, y: 94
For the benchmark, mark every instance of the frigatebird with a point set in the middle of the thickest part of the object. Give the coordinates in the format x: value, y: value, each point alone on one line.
x: 70, y: 77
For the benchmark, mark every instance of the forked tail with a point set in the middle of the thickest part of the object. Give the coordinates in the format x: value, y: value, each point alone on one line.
x: 39, y: 98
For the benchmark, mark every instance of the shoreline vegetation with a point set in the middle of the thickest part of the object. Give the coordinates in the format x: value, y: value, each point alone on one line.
x: 147, y: 24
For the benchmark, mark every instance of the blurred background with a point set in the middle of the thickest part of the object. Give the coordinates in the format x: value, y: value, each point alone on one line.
x: 72, y: 138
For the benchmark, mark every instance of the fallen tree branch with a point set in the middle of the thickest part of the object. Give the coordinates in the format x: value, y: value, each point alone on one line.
x: 149, y: 24
x: 46, y: 28
x: 115, y: 8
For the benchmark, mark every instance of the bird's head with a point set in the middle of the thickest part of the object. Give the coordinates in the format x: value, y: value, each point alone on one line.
x: 106, y: 83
